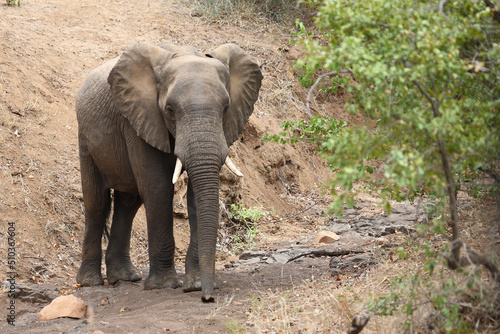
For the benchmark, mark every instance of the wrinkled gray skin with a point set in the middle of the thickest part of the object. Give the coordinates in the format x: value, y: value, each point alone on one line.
x: 138, y: 113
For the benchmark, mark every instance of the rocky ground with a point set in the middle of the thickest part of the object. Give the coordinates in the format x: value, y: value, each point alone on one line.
x: 126, y: 307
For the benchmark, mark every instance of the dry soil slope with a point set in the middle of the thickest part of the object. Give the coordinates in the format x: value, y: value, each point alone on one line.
x: 46, y: 50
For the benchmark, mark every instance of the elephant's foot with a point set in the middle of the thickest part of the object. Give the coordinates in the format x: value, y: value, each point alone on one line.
x: 168, y: 279
x: 192, y: 282
x: 122, y: 271
x: 89, y: 274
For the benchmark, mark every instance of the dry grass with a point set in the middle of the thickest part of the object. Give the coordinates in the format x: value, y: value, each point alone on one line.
x: 446, y: 302
x: 245, y: 11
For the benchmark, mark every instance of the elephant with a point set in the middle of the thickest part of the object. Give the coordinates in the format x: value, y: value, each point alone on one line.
x: 144, y: 117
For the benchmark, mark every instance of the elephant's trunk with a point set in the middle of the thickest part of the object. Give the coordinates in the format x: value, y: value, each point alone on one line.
x: 202, y: 153
x: 205, y: 181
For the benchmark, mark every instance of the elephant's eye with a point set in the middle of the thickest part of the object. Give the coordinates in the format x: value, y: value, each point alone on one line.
x: 169, y: 110
x: 226, y: 109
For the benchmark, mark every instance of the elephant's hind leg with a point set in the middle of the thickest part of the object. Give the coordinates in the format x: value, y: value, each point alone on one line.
x: 118, y: 264
x: 97, y: 203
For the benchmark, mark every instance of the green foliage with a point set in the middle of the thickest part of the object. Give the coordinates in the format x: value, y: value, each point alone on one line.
x: 456, y: 301
x: 424, y: 74
x: 427, y: 72
x: 333, y: 85
x: 13, y: 2
x: 315, y: 131
x: 244, y: 220
x: 247, y: 216
x: 306, y: 73
x: 443, y: 294
x: 307, y: 76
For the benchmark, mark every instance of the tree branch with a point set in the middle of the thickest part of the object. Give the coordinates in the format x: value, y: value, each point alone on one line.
x: 435, y: 106
x: 490, y: 173
x: 496, y: 12
x: 313, y: 87
x: 472, y: 257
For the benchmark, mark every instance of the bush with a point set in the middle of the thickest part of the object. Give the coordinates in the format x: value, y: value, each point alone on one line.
x: 428, y: 74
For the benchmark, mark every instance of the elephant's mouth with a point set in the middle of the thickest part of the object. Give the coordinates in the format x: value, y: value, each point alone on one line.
x: 229, y: 164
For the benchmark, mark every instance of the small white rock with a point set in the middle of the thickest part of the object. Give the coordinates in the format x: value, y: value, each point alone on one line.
x: 64, y: 306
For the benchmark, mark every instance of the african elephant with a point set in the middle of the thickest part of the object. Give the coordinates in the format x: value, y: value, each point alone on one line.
x: 142, y: 116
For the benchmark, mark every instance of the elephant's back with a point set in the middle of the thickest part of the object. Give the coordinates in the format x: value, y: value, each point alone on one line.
x: 94, y: 95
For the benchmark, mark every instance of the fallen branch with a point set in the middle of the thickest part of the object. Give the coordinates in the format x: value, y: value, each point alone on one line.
x: 472, y: 258
x: 322, y: 252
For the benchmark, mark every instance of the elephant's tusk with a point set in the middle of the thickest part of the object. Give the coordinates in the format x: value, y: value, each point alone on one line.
x: 177, y: 170
x: 232, y: 167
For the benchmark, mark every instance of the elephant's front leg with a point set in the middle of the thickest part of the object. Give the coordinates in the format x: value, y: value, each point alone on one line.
x: 159, y: 214
x: 118, y: 264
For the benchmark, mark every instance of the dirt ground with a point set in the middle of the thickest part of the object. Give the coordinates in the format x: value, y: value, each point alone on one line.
x: 46, y: 50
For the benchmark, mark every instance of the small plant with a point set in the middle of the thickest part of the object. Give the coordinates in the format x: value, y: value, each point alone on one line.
x: 245, y: 240
x: 246, y: 216
x: 233, y: 326
x: 244, y: 229
x: 13, y: 2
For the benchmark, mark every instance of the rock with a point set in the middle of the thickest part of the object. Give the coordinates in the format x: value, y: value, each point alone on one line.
x: 105, y: 301
x: 326, y: 237
x: 381, y: 241
x: 350, y: 212
x: 26, y: 319
x: 353, y: 264
x: 280, y: 257
x: 246, y: 255
x: 250, y: 261
x: 64, y: 306
x: 36, y: 294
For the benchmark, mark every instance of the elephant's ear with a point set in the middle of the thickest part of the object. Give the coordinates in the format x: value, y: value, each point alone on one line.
x: 245, y: 80
x: 134, y: 90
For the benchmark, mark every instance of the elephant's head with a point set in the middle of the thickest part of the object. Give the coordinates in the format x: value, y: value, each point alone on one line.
x: 203, y: 103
